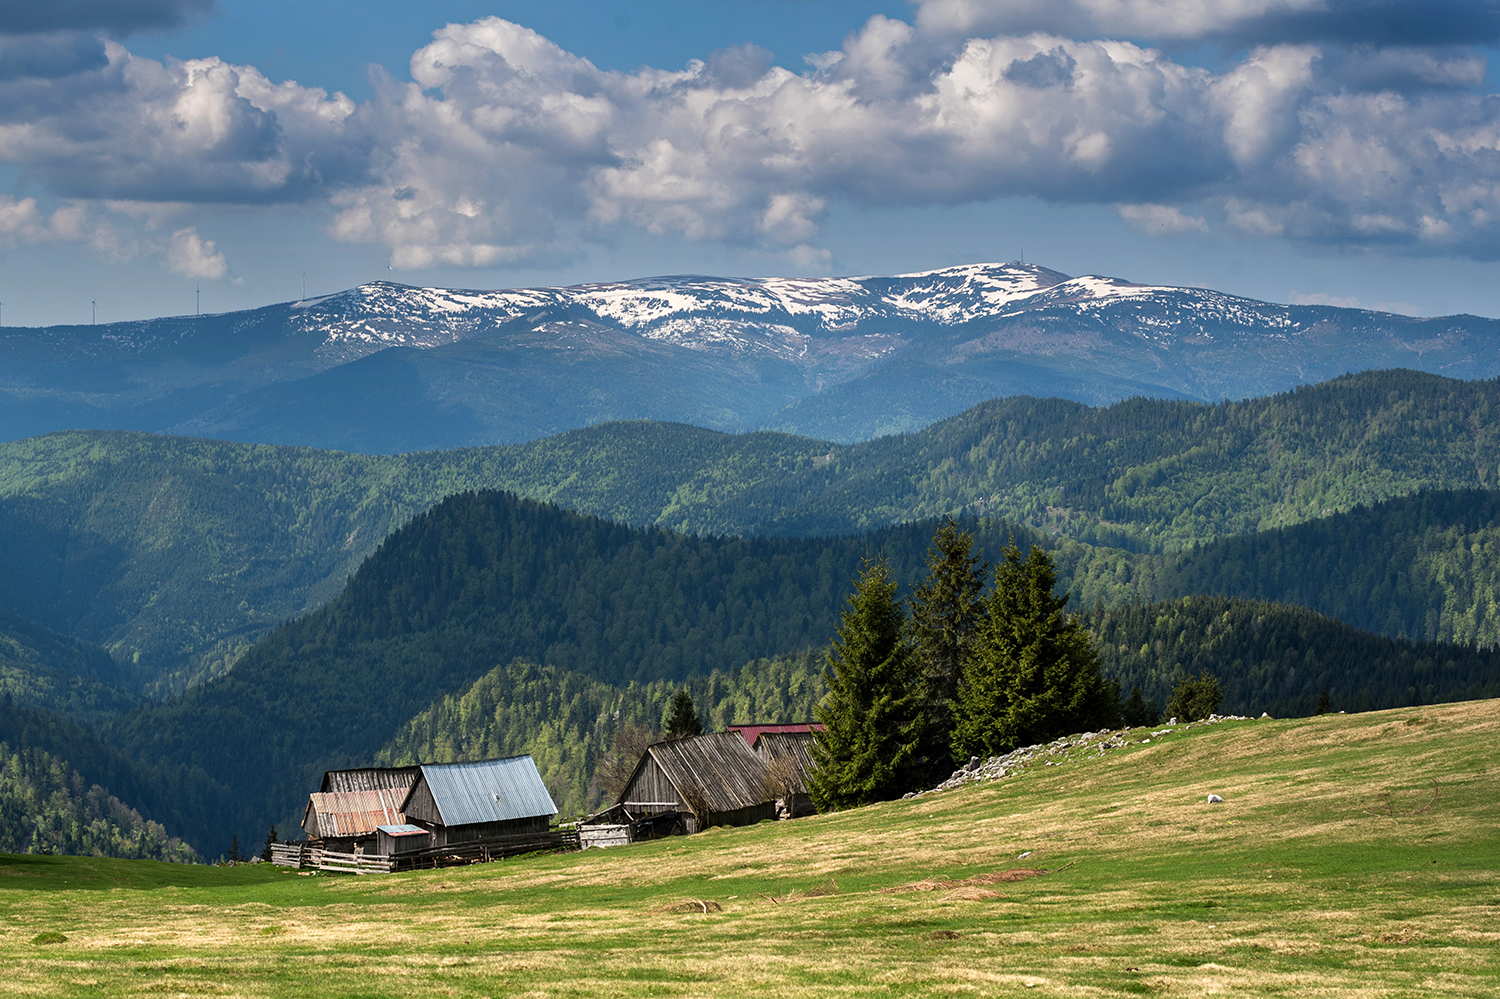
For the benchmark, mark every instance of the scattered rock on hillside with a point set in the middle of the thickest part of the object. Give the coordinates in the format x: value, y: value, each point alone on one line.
x: 1092, y: 743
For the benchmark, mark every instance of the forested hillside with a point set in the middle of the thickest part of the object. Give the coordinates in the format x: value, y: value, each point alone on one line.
x: 474, y: 583
x: 485, y: 579
x: 114, y: 535
x: 39, y: 666
x: 1424, y: 567
x: 64, y: 789
x: 48, y: 807
x: 1276, y: 658
x: 568, y: 721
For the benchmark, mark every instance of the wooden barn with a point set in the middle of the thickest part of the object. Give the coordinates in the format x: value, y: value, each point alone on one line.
x: 715, y: 779
x: 788, y: 759
x: 469, y: 802
x: 347, y: 820
x: 371, y: 779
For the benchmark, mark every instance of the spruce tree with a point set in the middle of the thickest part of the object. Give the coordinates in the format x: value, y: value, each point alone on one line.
x: 869, y: 750
x: 1034, y: 672
x: 1135, y: 712
x: 682, y: 718
x: 946, y: 612
x: 1195, y: 698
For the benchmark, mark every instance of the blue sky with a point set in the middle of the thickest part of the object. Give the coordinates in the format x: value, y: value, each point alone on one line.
x: 1342, y: 151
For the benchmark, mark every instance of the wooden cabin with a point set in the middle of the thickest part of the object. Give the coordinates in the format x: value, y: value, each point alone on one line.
x: 345, y: 821
x: 714, y: 780
x: 468, y: 802
x: 788, y: 759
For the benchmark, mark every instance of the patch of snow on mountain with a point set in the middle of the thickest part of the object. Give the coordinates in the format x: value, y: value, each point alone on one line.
x: 836, y: 301
x: 958, y: 294
x: 633, y: 306
x: 708, y: 334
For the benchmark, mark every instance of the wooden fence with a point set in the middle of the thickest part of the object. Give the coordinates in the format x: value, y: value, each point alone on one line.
x: 309, y: 855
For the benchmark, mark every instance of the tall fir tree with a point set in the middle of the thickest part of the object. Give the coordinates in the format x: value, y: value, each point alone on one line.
x: 1034, y: 672
x: 947, y: 610
x: 870, y: 748
x: 682, y: 717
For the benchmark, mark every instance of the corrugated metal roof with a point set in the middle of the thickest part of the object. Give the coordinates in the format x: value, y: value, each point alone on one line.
x: 755, y: 731
x: 352, y: 813
x: 405, y: 829
x: 720, y: 768
x: 488, y: 791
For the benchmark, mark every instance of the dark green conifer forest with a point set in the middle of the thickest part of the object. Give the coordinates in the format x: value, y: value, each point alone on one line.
x: 200, y: 628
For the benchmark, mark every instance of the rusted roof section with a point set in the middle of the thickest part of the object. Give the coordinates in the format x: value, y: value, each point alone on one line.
x: 487, y: 791
x: 337, y: 814
x: 753, y: 732
x: 720, y: 769
x: 370, y: 779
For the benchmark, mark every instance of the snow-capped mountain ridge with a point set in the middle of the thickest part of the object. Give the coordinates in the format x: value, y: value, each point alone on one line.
x: 779, y: 315
x: 386, y: 366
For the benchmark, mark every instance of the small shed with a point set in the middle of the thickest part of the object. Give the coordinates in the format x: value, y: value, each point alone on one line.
x: 469, y: 802
x: 788, y: 758
x: 393, y: 840
x: 343, y: 820
x: 715, y: 778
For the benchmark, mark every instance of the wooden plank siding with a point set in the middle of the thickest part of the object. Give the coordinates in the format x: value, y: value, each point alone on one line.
x: 715, y: 777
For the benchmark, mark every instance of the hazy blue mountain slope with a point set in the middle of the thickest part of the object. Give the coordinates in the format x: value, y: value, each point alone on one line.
x: 903, y: 397
x: 485, y: 367
x: 499, y: 390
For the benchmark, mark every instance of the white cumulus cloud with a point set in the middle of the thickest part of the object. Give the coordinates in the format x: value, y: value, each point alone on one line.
x: 504, y: 148
x: 1161, y: 220
x: 190, y: 255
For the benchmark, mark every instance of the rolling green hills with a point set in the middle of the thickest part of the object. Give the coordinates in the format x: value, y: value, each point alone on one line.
x: 112, y: 536
x: 426, y: 652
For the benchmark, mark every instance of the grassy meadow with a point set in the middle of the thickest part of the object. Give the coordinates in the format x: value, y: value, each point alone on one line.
x: 1354, y: 855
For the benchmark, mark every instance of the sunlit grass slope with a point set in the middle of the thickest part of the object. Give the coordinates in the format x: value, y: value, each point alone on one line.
x: 1353, y: 856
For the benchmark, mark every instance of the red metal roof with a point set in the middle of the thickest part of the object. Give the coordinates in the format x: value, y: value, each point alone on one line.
x: 335, y: 814
x: 753, y: 732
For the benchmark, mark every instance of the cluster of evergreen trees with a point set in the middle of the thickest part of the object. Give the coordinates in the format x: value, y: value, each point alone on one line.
x: 961, y: 672
x: 46, y: 806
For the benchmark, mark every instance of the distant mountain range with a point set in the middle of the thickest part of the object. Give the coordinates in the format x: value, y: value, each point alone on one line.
x: 387, y: 368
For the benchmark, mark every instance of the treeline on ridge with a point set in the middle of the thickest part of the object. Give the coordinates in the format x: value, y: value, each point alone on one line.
x: 101, y: 519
